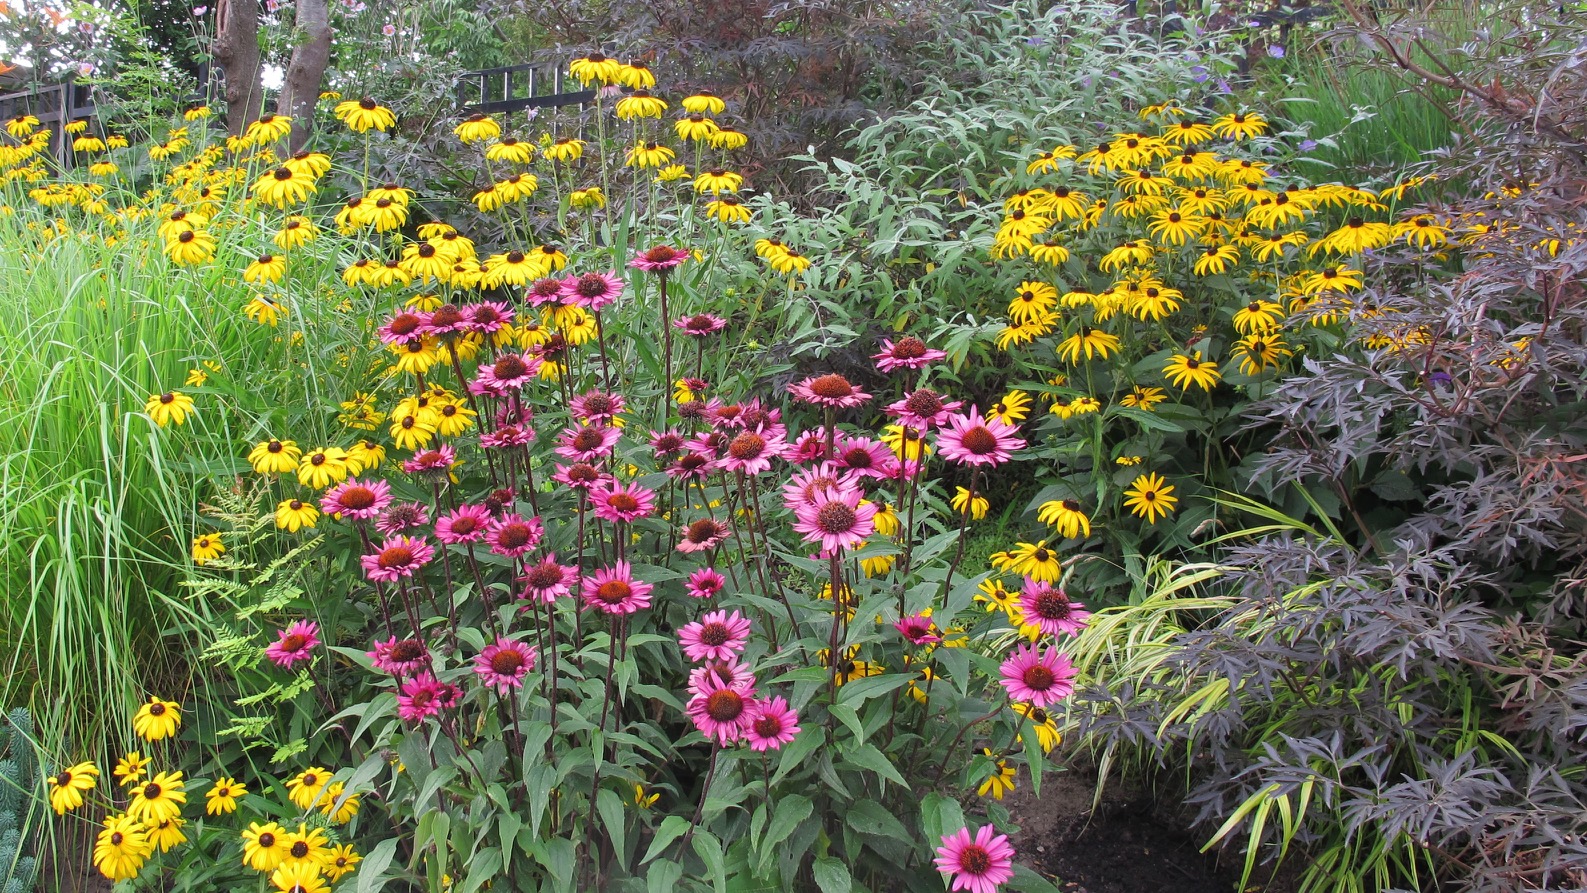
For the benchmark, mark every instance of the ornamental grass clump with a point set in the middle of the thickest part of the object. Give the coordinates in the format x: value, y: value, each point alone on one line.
x: 596, y: 600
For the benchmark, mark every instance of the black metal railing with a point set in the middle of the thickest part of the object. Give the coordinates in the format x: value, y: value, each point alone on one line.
x: 517, y: 88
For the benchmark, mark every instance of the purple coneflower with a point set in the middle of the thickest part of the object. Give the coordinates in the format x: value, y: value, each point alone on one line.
x: 580, y: 476
x: 548, y: 581
x: 907, y: 352
x: 398, y: 558
x: 595, y: 406
x: 422, y: 697
x: 751, y: 452
x: 973, y: 440
x: 691, y: 466
x: 623, y: 502
x: 806, y: 487
x: 703, y: 535
x: 594, y: 291
x: 295, y: 644
x: 700, y: 325
x: 514, y: 535
x: 720, y: 672
x: 487, y: 317
x: 510, y: 372
x: 404, y: 327
x: 464, y: 524
x: 356, y: 499
x: 587, y: 443
x: 665, y: 443
x: 660, y: 259
x: 1042, y: 678
x: 446, y: 319
x: 437, y: 462
x: 924, y: 409
x: 613, y: 590
x: 772, y: 724
x: 507, y: 437
x: 503, y: 664
x: 399, y: 657
x: 864, y: 456
x: 828, y: 390
x: 719, y: 635
x: 1048, y: 607
x: 401, y: 517
x: 704, y: 583
x: 918, y: 629
x: 979, y: 864
x: 722, y: 711
x: 836, y: 519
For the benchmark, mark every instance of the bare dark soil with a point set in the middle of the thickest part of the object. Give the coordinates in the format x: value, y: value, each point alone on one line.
x: 1131, y: 843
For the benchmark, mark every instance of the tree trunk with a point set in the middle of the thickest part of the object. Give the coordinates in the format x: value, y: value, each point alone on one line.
x: 301, y: 89
x: 237, y: 52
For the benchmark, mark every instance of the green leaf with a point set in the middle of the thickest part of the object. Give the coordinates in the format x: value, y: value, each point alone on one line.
x: 615, y: 818
x: 662, y: 876
x: 846, y: 715
x: 832, y: 876
x: 1029, y: 881
x: 672, y: 828
x: 709, y: 849
x: 939, y: 816
x: 857, y: 692
x: 791, y: 810
x: 372, y: 872
x: 866, y: 756
x: 794, y: 754
x: 870, y: 817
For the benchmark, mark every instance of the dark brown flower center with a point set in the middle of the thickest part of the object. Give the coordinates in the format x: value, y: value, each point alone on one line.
x: 661, y: 254
x: 703, y: 530
x: 1052, y: 604
x: 1039, y: 678
x: 116, y: 838
x: 506, y: 662
x: 975, y: 860
x: 715, y: 634
x: 836, y: 517
x: 283, y: 174
x: 924, y: 403
x: 515, y: 257
x: 510, y: 367
x: 613, y: 592
x: 151, y: 791
x: 1041, y: 555
x: 405, y: 324
x: 513, y: 536
x: 367, y: 104
x: 909, y: 348
x: 858, y: 458
x: 979, y: 441
x: 831, y: 387
x: 724, y: 705
x: 395, y: 557
x: 587, y: 439
x: 545, y: 576
x: 357, y: 498
x: 622, y: 502
x: 768, y: 726
x: 1072, y: 505
x: 267, y: 840
x: 159, y: 709
x: 407, y: 650
x: 748, y: 445
x: 300, y: 849
x: 293, y: 642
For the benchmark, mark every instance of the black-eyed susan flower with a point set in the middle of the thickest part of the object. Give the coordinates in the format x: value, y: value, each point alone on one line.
x: 296, y: 232
x: 789, y: 262
x: 640, y: 104
x: 305, y: 848
x: 1337, y: 278
x: 1033, y: 560
x: 513, y: 151
x: 88, y: 144
x: 1154, y: 301
x: 207, y: 548
x: 103, y: 168
x: 1150, y: 497
x: 78, y: 126
x: 122, y: 847
x: 341, y: 861
x: 223, y: 796
x: 415, y: 356
x: 717, y: 181
x: 293, y: 515
x: 1215, y: 259
x: 171, y: 407
x: 1001, y: 779
x: 424, y: 261
x: 190, y: 248
x: 1260, y: 352
x: 727, y: 209
x: 565, y: 149
x: 704, y: 103
x: 283, y: 188
x: 588, y: 199
x: 320, y: 468
x: 1089, y: 342
x: 266, y: 268
x: 168, y: 835
x: 1258, y: 316
x: 1143, y: 398
x: 130, y: 769
x: 672, y: 173
x: 695, y: 127
x: 1045, y: 724
x: 1031, y: 301
x: 477, y: 128
x: 159, y: 799
x: 308, y: 164
x: 1355, y: 236
x: 274, y: 456
x: 22, y: 125
x: 595, y: 67
x: 268, y: 129
x: 1066, y: 516
x: 976, y: 505
x: 1012, y: 408
x: 305, y: 787
x: 1049, y: 252
x: 116, y: 141
x: 1189, y: 132
x: 264, y: 310
x: 1185, y: 371
x: 649, y: 154
x: 363, y: 115
x: 366, y: 455
x: 337, y: 808
x: 726, y: 138
x: 68, y: 786
x: 1175, y: 227
x: 1422, y: 231
x: 263, y: 846
x: 1239, y: 125
x: 993, y: 594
